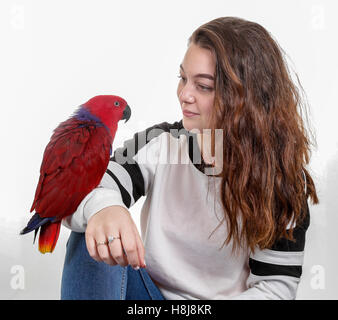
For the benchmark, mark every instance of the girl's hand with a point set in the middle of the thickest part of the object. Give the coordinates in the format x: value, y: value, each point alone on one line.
x: 115, y: 221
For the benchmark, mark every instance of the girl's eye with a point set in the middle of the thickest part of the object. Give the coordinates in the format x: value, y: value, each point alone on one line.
x: 205, y: 88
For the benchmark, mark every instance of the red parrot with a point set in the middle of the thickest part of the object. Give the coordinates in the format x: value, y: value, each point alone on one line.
x: 73, y: 164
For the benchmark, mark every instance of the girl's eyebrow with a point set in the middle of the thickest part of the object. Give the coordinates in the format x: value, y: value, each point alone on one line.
x: 201, y: 75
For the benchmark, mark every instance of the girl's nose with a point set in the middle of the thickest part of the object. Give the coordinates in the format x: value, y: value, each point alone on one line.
x: 186, y: 96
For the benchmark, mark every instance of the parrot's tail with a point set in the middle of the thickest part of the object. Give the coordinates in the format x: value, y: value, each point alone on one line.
x: 35, y: 223
x: 49, y: 234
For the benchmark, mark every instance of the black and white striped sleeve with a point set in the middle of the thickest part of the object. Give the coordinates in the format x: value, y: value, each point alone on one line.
x: 129, y: 176
x: 275, y: 273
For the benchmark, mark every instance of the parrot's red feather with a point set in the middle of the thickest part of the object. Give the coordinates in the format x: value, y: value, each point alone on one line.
x: 73, y: 164
x: 49, y: 234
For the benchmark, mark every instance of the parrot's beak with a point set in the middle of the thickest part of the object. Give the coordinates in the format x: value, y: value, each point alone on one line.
x: 126, y: 113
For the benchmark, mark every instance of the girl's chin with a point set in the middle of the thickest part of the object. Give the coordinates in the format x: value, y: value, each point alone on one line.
x: 189, y: 125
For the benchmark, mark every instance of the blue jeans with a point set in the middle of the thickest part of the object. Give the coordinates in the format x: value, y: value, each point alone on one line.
x: 83, y: 278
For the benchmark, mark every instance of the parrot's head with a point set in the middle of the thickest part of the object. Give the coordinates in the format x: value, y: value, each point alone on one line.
x: 109, y: 109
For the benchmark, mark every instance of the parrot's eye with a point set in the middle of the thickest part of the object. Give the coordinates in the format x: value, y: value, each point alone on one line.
x: 117, y: 104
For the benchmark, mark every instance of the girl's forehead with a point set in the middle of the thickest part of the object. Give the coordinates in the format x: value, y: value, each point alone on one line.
x: 198, y: 58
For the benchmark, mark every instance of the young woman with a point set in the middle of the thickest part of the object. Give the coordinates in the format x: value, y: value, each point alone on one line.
x: 244, y: 239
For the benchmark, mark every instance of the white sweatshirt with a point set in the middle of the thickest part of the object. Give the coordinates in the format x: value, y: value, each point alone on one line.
x: 177, y: 218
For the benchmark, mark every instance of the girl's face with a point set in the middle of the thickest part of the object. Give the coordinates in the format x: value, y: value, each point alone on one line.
x: 196, y: 88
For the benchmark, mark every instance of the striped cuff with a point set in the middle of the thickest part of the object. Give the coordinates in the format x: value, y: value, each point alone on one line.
x: 270, y: 262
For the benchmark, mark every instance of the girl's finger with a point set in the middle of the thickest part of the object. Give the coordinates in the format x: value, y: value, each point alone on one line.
x: 103, y: 251
x: 140, y: 249
x: 129, y: 244
x: 117, y: 252
x: 91, y: 247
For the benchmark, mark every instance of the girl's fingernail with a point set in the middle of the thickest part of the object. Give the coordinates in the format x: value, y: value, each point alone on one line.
x: 136, y: 268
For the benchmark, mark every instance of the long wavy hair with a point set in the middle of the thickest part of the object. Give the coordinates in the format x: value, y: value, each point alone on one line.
x: 266, y: 145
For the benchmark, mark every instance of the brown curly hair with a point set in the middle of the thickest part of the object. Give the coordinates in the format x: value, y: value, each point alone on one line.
x: 266, y: 146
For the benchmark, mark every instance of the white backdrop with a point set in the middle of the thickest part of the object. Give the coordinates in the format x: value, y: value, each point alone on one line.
x: 55, y: 55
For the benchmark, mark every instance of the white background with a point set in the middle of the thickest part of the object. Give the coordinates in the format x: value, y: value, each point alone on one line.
x: 55, y: 55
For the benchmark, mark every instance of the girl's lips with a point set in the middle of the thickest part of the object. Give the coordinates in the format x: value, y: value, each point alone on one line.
x: 189, y: 114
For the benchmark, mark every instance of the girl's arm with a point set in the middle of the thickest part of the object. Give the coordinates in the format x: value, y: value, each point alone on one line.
x: 275, y: 273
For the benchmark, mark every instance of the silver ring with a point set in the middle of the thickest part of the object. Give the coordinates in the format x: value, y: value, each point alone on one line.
x: 100, y: 243
x: 112, y: 238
